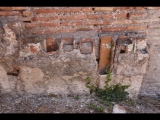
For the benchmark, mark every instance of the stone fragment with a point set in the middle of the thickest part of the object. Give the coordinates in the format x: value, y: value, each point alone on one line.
x: 118, y: 109
x: 34, y: 48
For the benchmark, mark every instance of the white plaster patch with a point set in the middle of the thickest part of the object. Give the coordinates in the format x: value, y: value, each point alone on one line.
x: 106, y: 45
x: 11, y: 37
x: 130, y: 47
x: 141, y: 56
x: 141, y: 44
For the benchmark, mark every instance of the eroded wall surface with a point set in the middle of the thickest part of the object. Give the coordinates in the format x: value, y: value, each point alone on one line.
x: 55, y: 65
x: 54, y: 49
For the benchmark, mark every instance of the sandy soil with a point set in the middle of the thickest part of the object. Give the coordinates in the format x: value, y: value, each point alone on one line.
x: 27, y: 103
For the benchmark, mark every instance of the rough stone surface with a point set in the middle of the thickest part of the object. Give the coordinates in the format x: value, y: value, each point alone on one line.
x: 150, y: 85
x: 4, y: 82
x: 33, y: 80
x: 66, y: 66
x: 133, y: 81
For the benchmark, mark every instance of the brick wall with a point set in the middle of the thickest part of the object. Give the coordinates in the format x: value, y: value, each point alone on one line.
x: 50, y: 20
x: 43, y: 25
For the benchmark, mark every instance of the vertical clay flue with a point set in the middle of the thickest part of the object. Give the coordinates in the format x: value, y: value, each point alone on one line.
x: 105, y: 53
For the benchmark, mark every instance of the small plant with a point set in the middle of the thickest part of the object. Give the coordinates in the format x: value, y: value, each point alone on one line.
x: 111, y: 44
x: 130, y: 102
x: 99, y: 109
x: 96, y: 108
x: 113, y: 93
x: 88, y: 79
x: 91, y: 105
x: 109, y: 58
x: 102, y: 101
x: 77, y: 97
x: 90, y: 86
x: 36, y: 39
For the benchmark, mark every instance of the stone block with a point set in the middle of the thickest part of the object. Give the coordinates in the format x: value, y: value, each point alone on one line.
x: 33, y: 79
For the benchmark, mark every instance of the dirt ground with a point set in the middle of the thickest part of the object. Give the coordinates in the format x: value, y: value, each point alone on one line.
x: 27, y: 103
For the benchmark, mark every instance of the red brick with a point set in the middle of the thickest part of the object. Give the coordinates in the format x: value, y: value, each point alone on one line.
x: 41, y: 32
x: 27, y: 13
x: 71, y: 23
x: 75, y: 9
x: 9, y: 13
x: 105, y: 22
x: 5, y: 8
x: 49, y: 31
x: 53, y: 17
x: 66, y: 17
x: 86, y: 9
x: 136, y: 27
x: 111, y: 16
x: 103, y: 9
x: 123, y: 15
x: 49, y: 24
x: 107, y: 16
x: 30, y: 25
x: 67, y: 10
x: 113, y: 29
x: 93, y: 16
x: 96, y: 29
x: 135, y: 15
x: 138, y: 8
x: 80, y: 16
x: 65, y: 31
x: 26, y: 19
x: 19, y: 8
x: 123, y: 8
x: 41, y: 11
x: 46, y: 32
x: 33, y: 49
x: 83, y: 29
x: 65, y: 23
x: 86, y: 40
x: 40, y: 19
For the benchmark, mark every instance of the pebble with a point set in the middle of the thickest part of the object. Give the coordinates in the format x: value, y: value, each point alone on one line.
x: 118, y: 109
x: 105, y: 111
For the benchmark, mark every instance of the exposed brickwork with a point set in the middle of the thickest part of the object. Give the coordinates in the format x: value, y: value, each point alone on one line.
x: 71, y: 19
